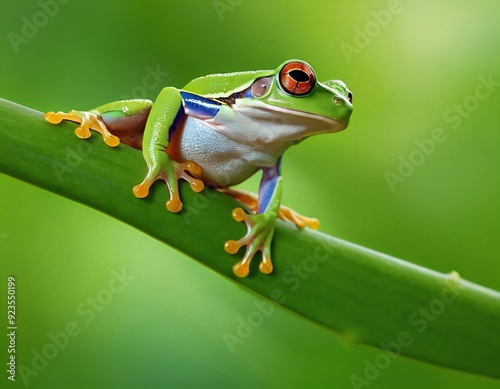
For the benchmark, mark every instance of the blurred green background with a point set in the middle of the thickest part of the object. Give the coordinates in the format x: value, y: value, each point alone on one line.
x: 412, y: 67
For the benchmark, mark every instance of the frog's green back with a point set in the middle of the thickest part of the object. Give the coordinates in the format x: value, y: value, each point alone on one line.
x: 223, y: 85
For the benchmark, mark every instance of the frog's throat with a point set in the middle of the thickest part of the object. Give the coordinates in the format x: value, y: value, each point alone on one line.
x: 269, y: 124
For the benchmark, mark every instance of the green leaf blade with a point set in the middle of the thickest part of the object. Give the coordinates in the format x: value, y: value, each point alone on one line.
x: 363, y: 295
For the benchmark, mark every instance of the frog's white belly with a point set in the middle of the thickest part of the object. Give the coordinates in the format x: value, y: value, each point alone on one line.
x: 224, y: 162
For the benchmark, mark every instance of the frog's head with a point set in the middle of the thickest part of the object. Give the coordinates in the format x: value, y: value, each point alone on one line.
x: 296, y: 104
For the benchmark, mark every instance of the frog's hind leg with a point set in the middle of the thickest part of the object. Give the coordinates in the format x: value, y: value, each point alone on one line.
x: 120, y: 120
x: 249, y: 199
x: 88, y: 121
x: 285, y: 213
x: 128, y: 123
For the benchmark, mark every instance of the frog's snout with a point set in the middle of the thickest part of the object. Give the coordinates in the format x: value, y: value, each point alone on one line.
x: 342, y: 96
x: 342, y: 101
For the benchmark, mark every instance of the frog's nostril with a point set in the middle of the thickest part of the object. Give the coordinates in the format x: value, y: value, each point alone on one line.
x: 337, y: 100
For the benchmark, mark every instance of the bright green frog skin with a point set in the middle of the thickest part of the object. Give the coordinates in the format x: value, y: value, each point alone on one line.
x: 221, y: 129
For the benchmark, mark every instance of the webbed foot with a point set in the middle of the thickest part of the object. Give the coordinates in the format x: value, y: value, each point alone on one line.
x: 260, y: 230
x: 300, y: 221
x: 170, y: 171
x: 285, y: 213
x: 88, y: 121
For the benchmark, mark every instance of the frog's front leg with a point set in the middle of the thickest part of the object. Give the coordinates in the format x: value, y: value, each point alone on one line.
x: 260, y: 226
x: 165, y: 117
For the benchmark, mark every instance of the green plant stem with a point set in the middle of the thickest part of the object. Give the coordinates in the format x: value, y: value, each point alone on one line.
x: 363, y: 295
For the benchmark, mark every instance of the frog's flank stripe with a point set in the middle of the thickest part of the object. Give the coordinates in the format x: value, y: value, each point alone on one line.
x: 199, y: 106
x: 268, y: 183
x: 179, y: 116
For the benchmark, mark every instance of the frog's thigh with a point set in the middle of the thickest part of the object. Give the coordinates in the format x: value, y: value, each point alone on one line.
x: 127, y: 107
x: 126, y: 119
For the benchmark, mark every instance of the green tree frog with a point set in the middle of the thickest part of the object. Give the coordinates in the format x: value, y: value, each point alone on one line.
x: 221, y: 129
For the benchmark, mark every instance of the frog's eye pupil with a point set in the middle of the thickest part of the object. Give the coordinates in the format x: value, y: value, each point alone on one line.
x: 350, y: 97
x: 299, y: 75
x: 297, y: 78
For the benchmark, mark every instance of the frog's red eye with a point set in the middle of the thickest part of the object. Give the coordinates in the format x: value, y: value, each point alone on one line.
x: 297, y: 78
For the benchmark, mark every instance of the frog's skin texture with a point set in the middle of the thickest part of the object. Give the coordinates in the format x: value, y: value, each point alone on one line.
x: 221, y: 129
